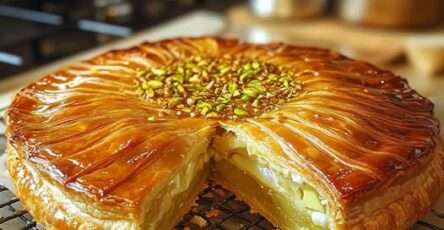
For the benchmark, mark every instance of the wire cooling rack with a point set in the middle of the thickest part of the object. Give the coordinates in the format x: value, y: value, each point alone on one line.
x: 215, y: 209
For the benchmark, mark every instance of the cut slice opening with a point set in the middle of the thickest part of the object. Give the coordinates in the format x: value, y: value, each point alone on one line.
x: 167, y: 205
x: 175, y: 200
x: 278, y: 193
x: 271, y: 188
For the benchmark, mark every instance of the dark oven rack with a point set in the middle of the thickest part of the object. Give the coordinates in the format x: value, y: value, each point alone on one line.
x: 216, y: 209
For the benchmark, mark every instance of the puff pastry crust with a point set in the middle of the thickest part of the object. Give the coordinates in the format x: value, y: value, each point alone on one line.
x: 360, y: 135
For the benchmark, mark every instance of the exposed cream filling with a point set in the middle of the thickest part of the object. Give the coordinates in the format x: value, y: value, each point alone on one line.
x: 272, y: 176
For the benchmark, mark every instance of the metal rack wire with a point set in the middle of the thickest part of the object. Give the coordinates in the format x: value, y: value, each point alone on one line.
x: 215, y: 209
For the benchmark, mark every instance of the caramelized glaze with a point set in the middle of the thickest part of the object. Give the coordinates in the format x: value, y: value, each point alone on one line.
x: 357, y: 127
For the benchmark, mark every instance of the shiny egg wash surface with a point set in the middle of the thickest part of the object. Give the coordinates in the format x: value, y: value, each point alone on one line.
x: 353, y: 126
x: 227, y: 87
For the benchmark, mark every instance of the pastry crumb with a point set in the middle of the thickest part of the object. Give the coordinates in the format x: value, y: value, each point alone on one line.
x: 200, y: 221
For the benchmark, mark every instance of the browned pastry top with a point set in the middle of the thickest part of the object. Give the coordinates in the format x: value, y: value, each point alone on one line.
x: 95, y: 127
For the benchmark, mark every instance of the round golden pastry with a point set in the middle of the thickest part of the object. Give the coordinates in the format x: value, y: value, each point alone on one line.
x: 307, y: 137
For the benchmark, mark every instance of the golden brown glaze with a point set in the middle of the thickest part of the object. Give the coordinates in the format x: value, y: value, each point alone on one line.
x: 355, y: 128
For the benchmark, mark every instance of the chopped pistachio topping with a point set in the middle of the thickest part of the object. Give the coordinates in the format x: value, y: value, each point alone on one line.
x: 228, y: 87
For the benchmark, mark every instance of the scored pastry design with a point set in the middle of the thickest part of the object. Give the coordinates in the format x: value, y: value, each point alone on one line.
x: 307, y: 137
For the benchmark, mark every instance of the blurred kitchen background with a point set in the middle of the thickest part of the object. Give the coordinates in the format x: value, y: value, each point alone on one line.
x: 37, y: 32
x: 34, y: 33
x: 40, y: 36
